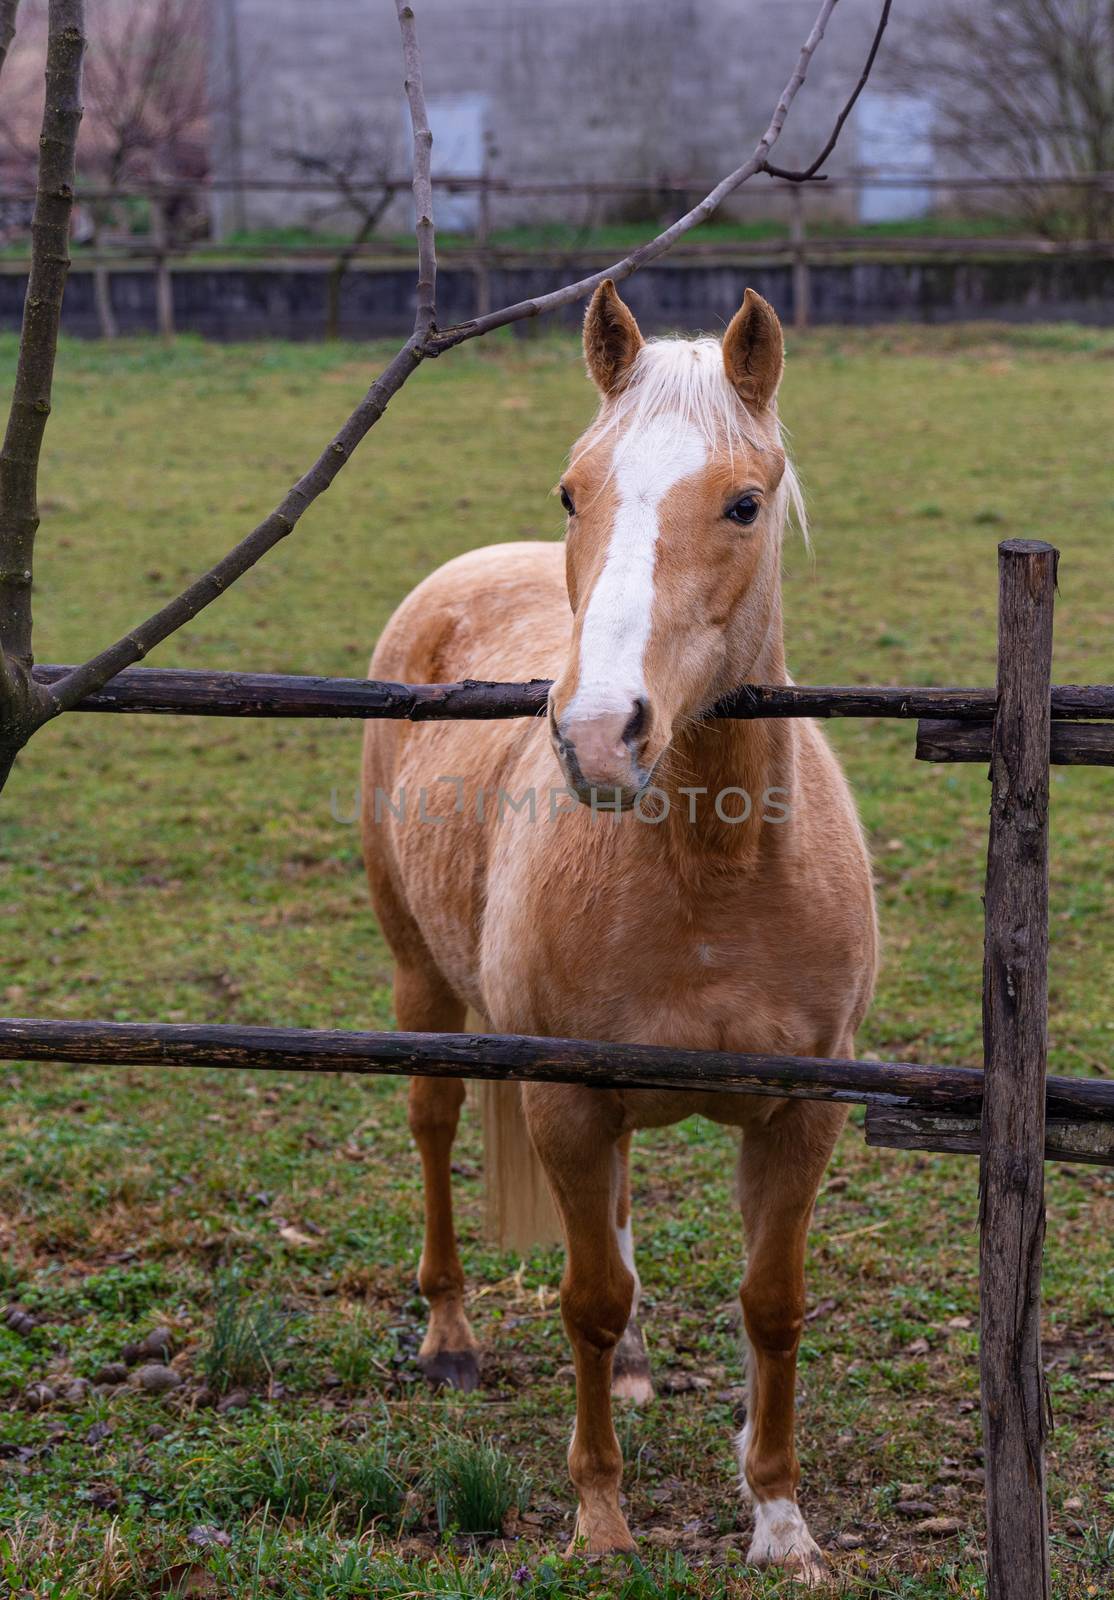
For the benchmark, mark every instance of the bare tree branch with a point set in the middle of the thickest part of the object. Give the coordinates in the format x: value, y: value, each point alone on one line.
x: 446, y: 339
x: 424, y: 342
x: 8, y: 9
x: 813, y: 169
x: 22, y: 705
x: 426, y: 315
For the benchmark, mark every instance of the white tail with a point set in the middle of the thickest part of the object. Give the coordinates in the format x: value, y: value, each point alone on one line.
x: 520, y: 1209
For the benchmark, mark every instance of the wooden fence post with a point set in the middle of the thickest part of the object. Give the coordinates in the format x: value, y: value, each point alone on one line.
x: 482, y: 241
x: 164, y: 286
x: 1015, y: 1028
x: 802, y: 288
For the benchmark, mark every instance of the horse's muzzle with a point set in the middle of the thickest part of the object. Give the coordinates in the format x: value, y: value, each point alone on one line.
x: 603, y: 756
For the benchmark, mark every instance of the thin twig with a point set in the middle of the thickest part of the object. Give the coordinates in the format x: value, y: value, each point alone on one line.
x: 139, y: 641
x: 807, y: 174
x: 426, y: 315
x: 22, y: 704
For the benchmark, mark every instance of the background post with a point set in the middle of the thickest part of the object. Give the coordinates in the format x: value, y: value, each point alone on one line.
x: 1015, y: 1029
x: 164, y: 287
x: 802, y: 289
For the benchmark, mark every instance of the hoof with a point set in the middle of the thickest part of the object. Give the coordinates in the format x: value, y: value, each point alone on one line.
x: 585, y: 1549
x: 630, y: 1369
x: 452, y: 1369
x: 782, y: 1541
x: 603, y: 1534
x: 637, y: 1387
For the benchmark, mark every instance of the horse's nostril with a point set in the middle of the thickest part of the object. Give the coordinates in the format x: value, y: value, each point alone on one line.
x: 637, y: 724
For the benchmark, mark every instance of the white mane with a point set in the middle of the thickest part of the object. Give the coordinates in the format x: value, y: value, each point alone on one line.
x: 685, y: 378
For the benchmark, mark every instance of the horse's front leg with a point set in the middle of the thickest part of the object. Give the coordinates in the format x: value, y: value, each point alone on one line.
x: 575, y: 1132
x: 449, y: 1352
x: 781, y: 1165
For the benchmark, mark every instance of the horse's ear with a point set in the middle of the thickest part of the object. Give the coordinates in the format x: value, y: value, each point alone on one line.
x: 753, y: 351
x: 611, y: 339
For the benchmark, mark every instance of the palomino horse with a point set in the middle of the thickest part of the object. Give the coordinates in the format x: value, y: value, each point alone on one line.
x: 712, y: 891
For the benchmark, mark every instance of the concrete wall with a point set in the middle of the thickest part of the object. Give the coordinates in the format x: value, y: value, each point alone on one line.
x: 289, y: 302
x: 575, y: 90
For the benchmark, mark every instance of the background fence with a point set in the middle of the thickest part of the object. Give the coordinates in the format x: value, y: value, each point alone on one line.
x: 159, y: 233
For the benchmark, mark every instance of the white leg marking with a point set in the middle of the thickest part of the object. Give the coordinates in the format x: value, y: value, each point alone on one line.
x: 742, y: 1445
x: 781, y: 1539
x: 626, y: 1249
x: 632, y: 1384
x: 648, y: 462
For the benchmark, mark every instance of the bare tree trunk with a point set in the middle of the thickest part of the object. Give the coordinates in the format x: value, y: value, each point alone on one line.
x: 23, y: 706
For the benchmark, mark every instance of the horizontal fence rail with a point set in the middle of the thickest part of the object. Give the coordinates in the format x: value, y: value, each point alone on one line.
x: 679, y: 188
x: 893, y: 1085
x: 190, y: 692
x: 1071, y: 744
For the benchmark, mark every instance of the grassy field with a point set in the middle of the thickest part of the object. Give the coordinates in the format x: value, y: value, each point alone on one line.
x: 190, y: 870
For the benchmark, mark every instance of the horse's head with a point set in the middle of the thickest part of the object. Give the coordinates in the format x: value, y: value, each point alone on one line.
x: 676, y: 499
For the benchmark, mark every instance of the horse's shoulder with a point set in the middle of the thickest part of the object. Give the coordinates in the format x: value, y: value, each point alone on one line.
x: 475, y: 606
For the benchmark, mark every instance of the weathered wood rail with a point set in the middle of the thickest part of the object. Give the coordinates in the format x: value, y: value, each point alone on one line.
x: 155, y: 691
x: 1010, y: 1113
x: 891, y: 1086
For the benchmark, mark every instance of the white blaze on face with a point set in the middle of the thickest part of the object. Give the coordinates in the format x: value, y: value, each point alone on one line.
x: 616, y: 628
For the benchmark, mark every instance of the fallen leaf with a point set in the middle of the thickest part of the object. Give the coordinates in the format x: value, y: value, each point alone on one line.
x: 295, y: 1236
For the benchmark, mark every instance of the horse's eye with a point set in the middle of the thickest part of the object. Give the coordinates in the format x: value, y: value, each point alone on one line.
x: 745, y: 510
x: 566, y: 501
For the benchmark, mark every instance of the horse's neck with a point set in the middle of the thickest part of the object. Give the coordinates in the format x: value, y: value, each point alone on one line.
x: 725, y: 755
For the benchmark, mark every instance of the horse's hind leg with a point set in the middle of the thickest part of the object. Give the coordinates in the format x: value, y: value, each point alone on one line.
x: 448, y: 1354
x: 781, y: 1165
x: 630, y: 1368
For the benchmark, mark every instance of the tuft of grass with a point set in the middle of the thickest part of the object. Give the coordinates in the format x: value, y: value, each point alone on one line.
x: 475, y: 1485
x: 352, y: 1355
x: 295, y: 1475
x: 247, y: 1338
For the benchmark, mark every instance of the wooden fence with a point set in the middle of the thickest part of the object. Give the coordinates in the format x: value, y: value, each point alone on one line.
x: 160, y: 248
x: 1010, y: 1113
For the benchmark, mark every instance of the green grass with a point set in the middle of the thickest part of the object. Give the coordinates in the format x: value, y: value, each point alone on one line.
x: 247, y: 1336
x: 196, y: 870
x: 475, y: 1486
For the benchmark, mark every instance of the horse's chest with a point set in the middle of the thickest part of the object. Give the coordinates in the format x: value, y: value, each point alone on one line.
x: 741, y: 968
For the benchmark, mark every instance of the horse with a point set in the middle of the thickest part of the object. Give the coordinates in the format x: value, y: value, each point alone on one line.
x: 630, y: 869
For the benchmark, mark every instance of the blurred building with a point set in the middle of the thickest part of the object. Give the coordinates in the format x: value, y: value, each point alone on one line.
x: 575, y: 92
